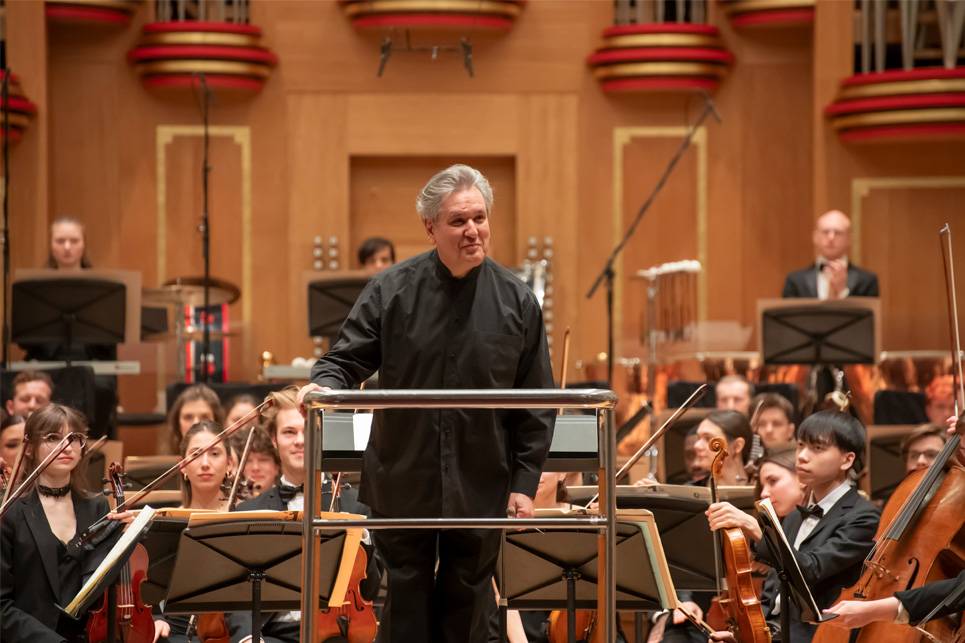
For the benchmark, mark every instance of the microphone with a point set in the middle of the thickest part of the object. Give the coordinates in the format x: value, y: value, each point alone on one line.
x: 708, y: 101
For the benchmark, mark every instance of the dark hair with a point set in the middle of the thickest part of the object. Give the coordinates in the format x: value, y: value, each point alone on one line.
x: 204, y: 426
x: 243, y: 398
x: 764, y: 401
x: 192, y: 394
x: 783, y: 455
x: 11, y: 421
x: 84, y: 260
x: 919, y: 432
x: 372, y: 245
x: 735, y: 425
x: 837, y: 429
x: 25, y: 377
x: 260, y: 443
x: 51, y: 419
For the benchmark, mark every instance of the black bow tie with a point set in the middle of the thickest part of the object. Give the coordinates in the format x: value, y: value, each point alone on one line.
x: 287, y: 491
x: 810, y: 510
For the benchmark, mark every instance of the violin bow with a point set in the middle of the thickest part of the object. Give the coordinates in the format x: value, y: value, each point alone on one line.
x: 91, y: 531
x: 564, y: 360
x: 15, y: 471
x: 240, y: 473
x: 53, y: 455
x: 695, y: 397
x: 949, y: 265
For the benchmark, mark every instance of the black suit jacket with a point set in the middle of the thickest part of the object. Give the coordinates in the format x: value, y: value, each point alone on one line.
x: 804, y: 283
x: 239, y: 623
x: 831, y: 558
x: 919, y: 602
x: 29, y: 576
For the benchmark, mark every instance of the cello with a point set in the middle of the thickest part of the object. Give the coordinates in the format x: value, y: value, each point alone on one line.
x: 737, y: 596
x: 134, y: 621
x: 921, y: 534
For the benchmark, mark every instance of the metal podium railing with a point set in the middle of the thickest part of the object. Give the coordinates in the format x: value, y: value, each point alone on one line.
x: 317, y: 402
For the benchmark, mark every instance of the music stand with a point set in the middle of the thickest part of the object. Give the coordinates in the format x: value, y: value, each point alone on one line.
x: 557, y: 568
x: 813, y: 331
x: 161, y: 543
x: 251, y: 564
x: 678, y: 511
x: 52, y: 310
x: 330, y: 300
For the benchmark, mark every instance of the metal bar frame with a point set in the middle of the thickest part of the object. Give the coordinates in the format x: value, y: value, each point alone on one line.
x: 318, y: 402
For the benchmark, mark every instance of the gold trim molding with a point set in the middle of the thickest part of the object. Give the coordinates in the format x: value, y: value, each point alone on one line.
x: 623, y: 136
x: 862, y: 187
x: 241, y: 136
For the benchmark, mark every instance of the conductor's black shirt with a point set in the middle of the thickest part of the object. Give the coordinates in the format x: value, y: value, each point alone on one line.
x: 423, y: 329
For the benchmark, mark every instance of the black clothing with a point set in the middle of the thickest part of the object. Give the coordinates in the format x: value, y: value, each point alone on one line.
x: 831, y: 558
x: 921, y: 601
x: 38, y: 572
x: 425, y: 329
x: 804, y: 283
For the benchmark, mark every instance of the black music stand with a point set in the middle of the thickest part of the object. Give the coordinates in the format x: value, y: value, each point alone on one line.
x: 330, y: 301
x: 818, y: 334
x: 557, y: 569
x: 67, y: 310
x: 251, y: 565
x: 678, y: 511
x: 161, y: 543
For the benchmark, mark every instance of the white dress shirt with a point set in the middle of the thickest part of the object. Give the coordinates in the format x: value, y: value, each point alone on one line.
x: 823, y: 286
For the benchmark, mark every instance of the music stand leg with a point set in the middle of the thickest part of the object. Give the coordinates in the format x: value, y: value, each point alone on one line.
x: 638, y: 627
x: 571, y: 576
x: 256, y: 578
x: 503, y: 620
x: 111, y: 613
x: 785, y: 607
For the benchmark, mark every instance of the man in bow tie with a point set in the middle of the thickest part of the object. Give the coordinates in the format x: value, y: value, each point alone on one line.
x: 831, y: 276
x: 286, y: 426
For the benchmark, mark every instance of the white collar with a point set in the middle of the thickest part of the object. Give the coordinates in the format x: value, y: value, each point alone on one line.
x: 828, y: 501
x: 820, y: 261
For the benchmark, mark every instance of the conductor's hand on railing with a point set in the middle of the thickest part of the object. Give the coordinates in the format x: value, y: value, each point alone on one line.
x: 520, y: 506
x: 308, y: 388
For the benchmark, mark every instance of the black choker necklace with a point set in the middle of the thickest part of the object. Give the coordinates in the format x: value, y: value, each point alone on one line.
x: 53, y: 492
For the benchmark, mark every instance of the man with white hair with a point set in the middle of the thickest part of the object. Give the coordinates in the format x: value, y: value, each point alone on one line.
x: 831, y: 276
x: 450, y: 318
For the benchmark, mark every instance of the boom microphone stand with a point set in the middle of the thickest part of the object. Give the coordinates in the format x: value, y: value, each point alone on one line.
x: 608, y: 273
x: 205, y: 228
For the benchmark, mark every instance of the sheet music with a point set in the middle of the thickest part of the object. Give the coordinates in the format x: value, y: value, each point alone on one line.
x: 133, y: 533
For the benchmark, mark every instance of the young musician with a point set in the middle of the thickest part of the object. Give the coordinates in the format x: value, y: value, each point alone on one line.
x: 238, y: 407
x: 31, y: 390
x: 11, y: 437
x: 195, y: 403
x: 286, y: 427
x: 68, y: 245
x: 833, y: 534
x: 775, y: 419
x: 263, y: 466
x: 921, y: 446
x: 376, y: 254
x: 39, y: 570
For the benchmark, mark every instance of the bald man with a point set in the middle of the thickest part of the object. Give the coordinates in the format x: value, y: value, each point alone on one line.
x: 831, y: 276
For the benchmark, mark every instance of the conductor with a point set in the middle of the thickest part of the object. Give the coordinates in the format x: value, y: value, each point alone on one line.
x: 448, y: 318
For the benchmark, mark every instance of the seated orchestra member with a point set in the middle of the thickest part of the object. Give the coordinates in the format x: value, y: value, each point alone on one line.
x: 774, y: 419
x: 532, y: 626
x: 834, y: 533
x: 286, y: 426
x: 376, y: 254
x: 940, y: 399
x: 831, y: 276
x: 734, y: 392
x: 237, y: 407
x: 732, y: 427
x: 11, y: 437
x: 921, y: 446
x: 31, y: 390
x: 195, y: 403
x: 263, y: 466
x: 694, y: 471
x: 39, y: 569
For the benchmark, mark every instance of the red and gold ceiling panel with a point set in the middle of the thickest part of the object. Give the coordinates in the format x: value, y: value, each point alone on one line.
x: 104, y: 12
x: 461, y: 14
x: 769, y: 13
x: 915, y: 104
x: 21, y: 110
x: 231, y: 56
x: 660, y: 57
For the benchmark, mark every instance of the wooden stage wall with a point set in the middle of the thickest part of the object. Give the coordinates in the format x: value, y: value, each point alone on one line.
x: 328, y: 149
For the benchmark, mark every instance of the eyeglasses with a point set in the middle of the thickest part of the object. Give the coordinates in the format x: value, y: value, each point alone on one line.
x: 53, y: 439
x: 930, y: 455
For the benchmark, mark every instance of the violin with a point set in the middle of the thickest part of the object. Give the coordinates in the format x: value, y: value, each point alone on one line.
x: 738, y: 596
x: 134, y: 621
x: 586, y: 627
x: 355, y: 620
x: 921, y: 533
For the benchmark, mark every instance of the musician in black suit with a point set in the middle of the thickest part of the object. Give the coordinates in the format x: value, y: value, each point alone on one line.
x: 831, y: 276
x: 286, y: 426
x: 40, y: 568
